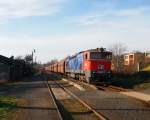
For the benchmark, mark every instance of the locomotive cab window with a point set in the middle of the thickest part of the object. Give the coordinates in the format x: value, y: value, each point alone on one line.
x: 100, y: 55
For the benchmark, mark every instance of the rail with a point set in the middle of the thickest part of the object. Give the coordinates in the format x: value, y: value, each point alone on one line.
x: 54, y: 100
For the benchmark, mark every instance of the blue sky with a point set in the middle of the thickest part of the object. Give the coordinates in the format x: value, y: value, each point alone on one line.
x: 57, y: 28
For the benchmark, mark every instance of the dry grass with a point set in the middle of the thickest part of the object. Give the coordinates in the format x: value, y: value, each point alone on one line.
x: 9, y: 108
x: 7, y: 104
x: 17, y: 113
x: 147, y: 68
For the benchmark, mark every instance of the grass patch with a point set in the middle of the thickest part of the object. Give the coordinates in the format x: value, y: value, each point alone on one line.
x: 6, y: 105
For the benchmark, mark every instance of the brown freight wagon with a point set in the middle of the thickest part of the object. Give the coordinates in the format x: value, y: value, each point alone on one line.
x: 55, y: 67
x: 52, y: 68
x: 61, y: 67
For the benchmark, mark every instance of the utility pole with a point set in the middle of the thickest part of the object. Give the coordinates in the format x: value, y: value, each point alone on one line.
x: 33, y: 56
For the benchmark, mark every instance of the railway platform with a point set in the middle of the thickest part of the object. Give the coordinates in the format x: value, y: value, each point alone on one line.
x: 140, y: 96
x: 37, y: 105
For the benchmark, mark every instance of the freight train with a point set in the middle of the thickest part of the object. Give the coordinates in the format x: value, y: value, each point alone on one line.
x: 92, y: 66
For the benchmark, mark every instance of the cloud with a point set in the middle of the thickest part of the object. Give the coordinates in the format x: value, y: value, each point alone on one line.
x: 10, y: 9
x: 107, y: 16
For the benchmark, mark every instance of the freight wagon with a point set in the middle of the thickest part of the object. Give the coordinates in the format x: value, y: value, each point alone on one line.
x: 91, y: 66
x: 61, y: 67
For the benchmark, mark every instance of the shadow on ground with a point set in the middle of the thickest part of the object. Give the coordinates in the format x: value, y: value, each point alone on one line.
x: 130, y: 80
x: 23, y: 85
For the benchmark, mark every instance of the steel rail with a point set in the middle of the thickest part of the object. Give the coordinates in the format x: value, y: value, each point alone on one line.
x: 54, y: 100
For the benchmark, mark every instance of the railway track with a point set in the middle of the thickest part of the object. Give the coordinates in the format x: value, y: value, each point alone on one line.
x: 54, y: 101
x: 102, y: 86
x: 92, y: 110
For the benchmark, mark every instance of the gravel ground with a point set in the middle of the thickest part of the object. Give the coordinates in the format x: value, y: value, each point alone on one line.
x: 39, y: 105
x: 113, y: 105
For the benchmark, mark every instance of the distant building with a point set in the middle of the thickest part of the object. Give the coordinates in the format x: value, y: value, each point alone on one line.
x: 133, y: 58
x: 147, y: 54
x: 136, y: 61
x: 129, y: 59
x: 147, y: 57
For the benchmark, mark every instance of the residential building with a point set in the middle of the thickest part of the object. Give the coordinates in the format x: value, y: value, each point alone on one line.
x: 134, y: 61
x: 147, y: 57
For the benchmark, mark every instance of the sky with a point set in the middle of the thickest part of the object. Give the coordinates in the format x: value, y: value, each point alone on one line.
x: 58, y: 28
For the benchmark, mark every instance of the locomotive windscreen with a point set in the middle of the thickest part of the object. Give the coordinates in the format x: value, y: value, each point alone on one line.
x: 100, y: 55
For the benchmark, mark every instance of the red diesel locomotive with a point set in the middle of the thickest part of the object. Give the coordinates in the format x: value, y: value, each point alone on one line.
x: 92, y: 66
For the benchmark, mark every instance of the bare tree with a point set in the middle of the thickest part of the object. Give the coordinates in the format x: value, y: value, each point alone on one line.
x: 28, y: 58
x: 118, y: 50
x: 53, y: 61
x: 19, y: 57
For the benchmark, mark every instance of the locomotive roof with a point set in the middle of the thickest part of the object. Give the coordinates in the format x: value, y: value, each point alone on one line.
x: 92, y: 50
x: 97, y: 50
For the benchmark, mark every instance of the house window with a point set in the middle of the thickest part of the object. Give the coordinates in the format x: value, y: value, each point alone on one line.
x: 131, y: 56
x: 126, y: 57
